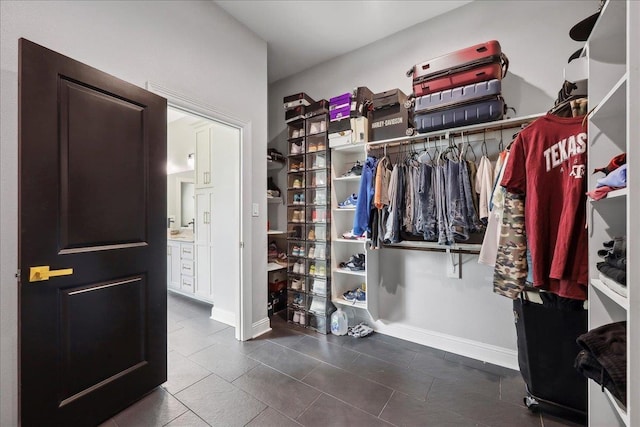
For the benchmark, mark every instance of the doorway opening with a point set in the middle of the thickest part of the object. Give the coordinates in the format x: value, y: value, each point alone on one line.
x: 204, y: 198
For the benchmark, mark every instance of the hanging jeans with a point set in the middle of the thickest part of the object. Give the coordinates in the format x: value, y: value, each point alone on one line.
x: 428, y: 223
x: 471, y: 215
x: 456, y: 202
x: 365, y: 197
x: 445, y: 237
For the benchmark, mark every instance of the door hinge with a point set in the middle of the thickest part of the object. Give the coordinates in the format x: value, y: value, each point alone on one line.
x: 18, y: 275
x: 241, y: 245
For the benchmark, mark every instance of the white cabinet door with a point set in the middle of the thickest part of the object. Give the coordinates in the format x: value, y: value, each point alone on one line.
x: 202, y: 232
x: 173, y: 265
x: 203, y: 242
x: 203, y: 158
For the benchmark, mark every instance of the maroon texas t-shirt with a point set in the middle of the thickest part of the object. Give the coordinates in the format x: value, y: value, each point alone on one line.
x: 547, y: 163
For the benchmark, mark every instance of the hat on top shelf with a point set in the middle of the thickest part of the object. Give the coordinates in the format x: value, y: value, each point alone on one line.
x: 581, y: 31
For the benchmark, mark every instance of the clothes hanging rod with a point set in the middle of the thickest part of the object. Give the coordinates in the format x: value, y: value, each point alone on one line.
x: 447, y: 133
x: 464, y: 248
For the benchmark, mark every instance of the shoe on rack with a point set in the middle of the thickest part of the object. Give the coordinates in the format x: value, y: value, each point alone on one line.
x: 296, y: 284
x: 356, y: 170
x: 295, y: 133
x: 282, y: 259
x: 321, y: 147
x: 312, y: 234
x: 320, y: 161
x: 297, y: 148
x: 356, y: 295
x: 355, y: 263
x: 323, y: 126
x: 296, y: 199
x: 301, y: 198
x: 296, y: 232
x: 295, y: 251
x: 312, y: 252
x: 349, y: 235
x: 314, y: 128
x: 349, y: 203
x: 296, y: 317
x: 272, y: 188
x: 321, y: 270
x: 317, y: 306
x: 297, y: 183
x: 301, y: 251
x: 272, y: 253
x: 312, y: 270
x: 319, y: 287
x: 275, y: 155
x: 313, y: 147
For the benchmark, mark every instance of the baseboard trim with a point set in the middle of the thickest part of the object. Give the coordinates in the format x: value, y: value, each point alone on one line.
x: 465, y: 347
x: 223, y: 316
x: 260, y: 327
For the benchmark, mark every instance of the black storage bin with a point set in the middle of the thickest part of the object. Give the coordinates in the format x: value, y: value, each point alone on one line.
x: 547, y: 349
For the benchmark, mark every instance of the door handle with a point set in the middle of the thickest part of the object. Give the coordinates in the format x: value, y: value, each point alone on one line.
x: 43, y: 272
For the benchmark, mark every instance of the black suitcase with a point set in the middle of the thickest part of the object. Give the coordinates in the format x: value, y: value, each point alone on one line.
x: 547, y: 349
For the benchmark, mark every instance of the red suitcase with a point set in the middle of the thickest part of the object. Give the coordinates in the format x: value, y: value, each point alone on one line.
x: 483, y: 53
x: 492, y: 71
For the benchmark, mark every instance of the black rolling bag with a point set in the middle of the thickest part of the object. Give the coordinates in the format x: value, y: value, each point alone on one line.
x: 547, y: 350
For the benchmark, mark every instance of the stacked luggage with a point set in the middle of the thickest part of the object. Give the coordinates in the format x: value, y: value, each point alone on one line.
x: 349, y: 117
x: 459, y: 88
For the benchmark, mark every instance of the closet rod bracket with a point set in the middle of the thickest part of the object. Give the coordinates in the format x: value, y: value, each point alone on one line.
x: 454, y: 266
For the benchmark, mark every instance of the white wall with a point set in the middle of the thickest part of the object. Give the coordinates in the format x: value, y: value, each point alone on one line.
x: 417, y: 301
x: 191, y: 47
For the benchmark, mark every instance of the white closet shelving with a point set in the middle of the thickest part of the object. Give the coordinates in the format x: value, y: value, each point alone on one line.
x: 612, y: 51
x: 342, y: 159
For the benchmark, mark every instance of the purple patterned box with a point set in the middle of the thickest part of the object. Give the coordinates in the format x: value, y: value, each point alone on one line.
x: 339, y: 113
x: 340, y: 100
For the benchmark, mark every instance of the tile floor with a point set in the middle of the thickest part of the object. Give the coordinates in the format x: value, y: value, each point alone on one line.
x: 292, y: 377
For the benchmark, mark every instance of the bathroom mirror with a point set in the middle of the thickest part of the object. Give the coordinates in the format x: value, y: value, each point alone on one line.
x: 180, y: 200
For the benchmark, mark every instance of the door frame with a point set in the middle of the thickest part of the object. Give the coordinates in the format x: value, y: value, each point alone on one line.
x: 243, y: 295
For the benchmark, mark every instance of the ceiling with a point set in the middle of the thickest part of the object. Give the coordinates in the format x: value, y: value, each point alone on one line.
x: 303, y: 33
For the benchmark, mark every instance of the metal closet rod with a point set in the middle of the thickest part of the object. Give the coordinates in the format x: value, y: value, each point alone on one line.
x: 447, y: 133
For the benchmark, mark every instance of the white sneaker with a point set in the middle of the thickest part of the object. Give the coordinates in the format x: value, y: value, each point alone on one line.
x: 296, y: 284
x: 296, y: 317
x: 312, y: 252
x: 303, y: 318
x: 317, y: 306
x: 319, y: 287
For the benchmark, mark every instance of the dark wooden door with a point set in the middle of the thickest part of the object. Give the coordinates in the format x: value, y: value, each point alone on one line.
x: 92, y: 209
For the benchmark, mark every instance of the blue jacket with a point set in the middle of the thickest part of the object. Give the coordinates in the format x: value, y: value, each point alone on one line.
x: 365, y: 197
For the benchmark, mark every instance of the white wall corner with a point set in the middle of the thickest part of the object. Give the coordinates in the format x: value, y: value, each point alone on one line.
x: 224, y: 316
x: 474, y: 349
x: 260, y: 327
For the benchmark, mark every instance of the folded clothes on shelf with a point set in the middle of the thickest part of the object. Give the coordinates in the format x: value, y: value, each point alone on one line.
x: 604, y: 358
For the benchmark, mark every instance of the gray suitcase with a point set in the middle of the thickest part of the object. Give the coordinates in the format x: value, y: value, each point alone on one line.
x: 457, y: 95
x: 469, y: 114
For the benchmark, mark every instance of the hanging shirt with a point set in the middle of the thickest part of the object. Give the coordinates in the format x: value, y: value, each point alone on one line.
x: 489, y: 249
x: 547, y: 164
x: 383, y: 175
x: 484, y: 187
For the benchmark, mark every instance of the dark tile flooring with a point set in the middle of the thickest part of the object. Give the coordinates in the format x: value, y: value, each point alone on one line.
x: 292, y: 376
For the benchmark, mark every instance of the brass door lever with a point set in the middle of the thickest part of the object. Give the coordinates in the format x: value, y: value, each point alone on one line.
x: 43, y: 272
